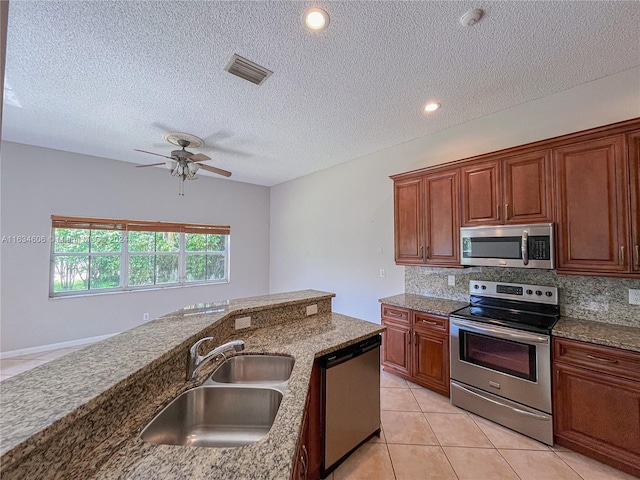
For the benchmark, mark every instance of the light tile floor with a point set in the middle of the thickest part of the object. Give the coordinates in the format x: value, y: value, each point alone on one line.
x: 10, y: 367
x: 425, y: 437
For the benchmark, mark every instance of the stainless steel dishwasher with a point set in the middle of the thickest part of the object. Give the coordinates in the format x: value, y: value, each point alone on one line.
x: 351, y: 407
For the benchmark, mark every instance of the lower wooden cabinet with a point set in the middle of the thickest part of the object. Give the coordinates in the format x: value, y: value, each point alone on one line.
x: 597, y: 402
x: 308, y: 459
x: 415, y: 346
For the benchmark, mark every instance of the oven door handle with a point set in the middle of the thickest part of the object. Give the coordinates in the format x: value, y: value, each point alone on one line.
x: 525, y: 247
x: 517, y: 410
x: 506, y: 333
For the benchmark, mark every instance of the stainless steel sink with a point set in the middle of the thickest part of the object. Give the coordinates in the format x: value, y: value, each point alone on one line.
x: 254, y: 369
x: 210, y: 416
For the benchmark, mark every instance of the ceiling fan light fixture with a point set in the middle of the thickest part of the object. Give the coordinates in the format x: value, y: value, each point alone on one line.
x: 316, y: 19
x: 171, y: 164
x: 193, y: 167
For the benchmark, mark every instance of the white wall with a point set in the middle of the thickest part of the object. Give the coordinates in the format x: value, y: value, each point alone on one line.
x: 38, y: 182
x: 327, y: 228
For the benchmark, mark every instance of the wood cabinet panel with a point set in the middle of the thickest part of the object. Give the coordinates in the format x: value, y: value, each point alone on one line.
x: 591, y: 187
x: 396, y: 314
x: 396, y: 347
x: 431, y: 360
x: 634, y: 164
x: 527, y: 188
x: 598, y: 415
x: 442, y: 214
x: 409, y: 242
x: 481, y: 194
x: 418, y: 350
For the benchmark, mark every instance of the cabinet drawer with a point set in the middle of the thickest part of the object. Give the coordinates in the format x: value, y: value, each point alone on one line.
x: 615, y: 361
x: 395, y: 314
x: 425, y: 321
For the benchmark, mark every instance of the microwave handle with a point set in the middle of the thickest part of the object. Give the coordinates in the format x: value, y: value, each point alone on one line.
x: 525, y: 247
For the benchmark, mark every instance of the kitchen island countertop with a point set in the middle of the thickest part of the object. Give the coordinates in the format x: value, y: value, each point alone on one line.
x: 43, y: 407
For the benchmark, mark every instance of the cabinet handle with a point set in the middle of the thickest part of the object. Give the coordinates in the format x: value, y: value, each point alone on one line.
x: 637, y: 257
x: 622, y: 255
x: 415, y: 338
x: 600, y: 359
x: 422, y: 252
x: 394, y: 314
x: 428, y: 322
x: 506, y: 211
x: 305, y: 461
x: 498, y: 211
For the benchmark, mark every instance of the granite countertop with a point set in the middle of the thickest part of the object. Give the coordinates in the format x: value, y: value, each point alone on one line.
x: 437, y: 306
x: 601, y: 333
x: 35, y: 402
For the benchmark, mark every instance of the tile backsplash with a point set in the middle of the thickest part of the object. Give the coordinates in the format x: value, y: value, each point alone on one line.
x: 591, y: 298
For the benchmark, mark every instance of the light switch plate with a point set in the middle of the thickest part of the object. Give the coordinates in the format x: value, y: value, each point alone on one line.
x: 634, y: 296
x: 312, y: 309
x: 451, y: 280
x: 243, y: 322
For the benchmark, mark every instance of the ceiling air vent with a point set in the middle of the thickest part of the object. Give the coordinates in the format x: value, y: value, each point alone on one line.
x: 243, y: 68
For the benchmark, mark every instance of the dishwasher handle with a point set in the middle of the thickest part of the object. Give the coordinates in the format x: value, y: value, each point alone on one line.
x: 336, y: 358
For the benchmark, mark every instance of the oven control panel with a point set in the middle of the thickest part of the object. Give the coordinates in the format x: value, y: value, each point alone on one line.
x: 515, y: 291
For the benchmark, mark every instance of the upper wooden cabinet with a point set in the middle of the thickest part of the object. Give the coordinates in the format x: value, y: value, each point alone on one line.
x: 526, y: 187
x: 481, y: 194
x: 427, y: 219
x: 407, y: 198
x: 509, y: 190
x: 592, y: 194
x: 587, y: 183
x: 634, y: 170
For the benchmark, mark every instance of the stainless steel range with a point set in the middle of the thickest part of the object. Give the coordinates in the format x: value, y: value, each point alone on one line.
x: 501, y: 355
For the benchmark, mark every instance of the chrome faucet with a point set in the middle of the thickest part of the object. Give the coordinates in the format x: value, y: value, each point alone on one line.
x: 196, y: 361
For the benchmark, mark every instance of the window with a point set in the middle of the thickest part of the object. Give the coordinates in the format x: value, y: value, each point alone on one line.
x: 91, y: 255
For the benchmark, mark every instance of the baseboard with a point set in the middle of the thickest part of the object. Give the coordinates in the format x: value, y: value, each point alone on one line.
x: 54, y: 346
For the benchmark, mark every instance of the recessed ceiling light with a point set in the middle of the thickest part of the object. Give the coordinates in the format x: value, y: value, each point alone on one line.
x: 316, y: 19
x: 431, y: 107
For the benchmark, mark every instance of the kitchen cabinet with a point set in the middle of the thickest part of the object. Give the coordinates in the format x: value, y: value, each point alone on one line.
x: 308, y: 457
x: 592, y: 194
x: 634, y: 170
x: 480, y: 194
x: 426, y: 214
x: 596, y: 392
x: 415, y: 346
x: 508, y: 190
x: 396, y: 340
x: 408, y: 221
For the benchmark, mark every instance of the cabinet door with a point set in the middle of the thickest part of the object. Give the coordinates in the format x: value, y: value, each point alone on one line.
x: 598, y: 415
x: 527, y: 188
x: 442, y: 212
x: 634, y: 163
x: 431, y: 360
x: 396, y: 345
x: 591, y: 189
x: 408, y: 221
x: 481, y: 196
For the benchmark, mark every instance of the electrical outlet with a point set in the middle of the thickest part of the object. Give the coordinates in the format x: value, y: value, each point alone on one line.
x: 312, y: 309
x: 634, y: 296
x: 243, y: 322
x: 382, y: 273
x: 451, y: 280
x: 145, y: 316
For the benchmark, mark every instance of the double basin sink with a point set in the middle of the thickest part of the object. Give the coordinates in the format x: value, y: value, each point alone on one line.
x: 235, y: 406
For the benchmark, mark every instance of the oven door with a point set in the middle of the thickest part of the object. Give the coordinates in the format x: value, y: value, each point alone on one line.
x: 507, y: 362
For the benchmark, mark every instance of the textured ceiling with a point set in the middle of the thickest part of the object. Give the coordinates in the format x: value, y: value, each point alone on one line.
x: 102, y: 78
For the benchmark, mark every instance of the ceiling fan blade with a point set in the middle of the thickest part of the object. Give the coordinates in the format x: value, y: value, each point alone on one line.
x: 199, y: 157
x: 151, y: 165
x: 151, y: 153
x: 219, y: 171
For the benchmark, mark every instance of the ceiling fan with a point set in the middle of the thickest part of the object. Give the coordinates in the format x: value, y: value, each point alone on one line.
x: 182, y: 163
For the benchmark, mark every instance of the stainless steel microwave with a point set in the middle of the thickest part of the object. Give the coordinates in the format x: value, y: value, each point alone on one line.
x: 520, y: 246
